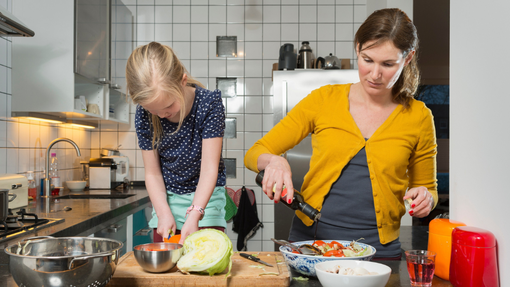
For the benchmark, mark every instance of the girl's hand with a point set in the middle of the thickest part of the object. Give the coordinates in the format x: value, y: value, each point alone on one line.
x: 190, y: 226
x: 165, y: 225
x: 277, y: 174
x: 422, y: 203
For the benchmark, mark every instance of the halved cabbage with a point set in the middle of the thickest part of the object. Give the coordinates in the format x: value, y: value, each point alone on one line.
x: 206, y: 251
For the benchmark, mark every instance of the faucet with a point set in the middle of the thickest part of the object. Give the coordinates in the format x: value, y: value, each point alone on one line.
x: 47, y: 185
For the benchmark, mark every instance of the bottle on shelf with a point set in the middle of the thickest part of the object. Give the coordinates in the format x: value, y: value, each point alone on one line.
x: 55, y: 178
x: 32, y: 189
x: 298, y: 202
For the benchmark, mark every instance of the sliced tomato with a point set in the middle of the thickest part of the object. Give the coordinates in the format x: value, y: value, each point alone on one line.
x: 319, y: 243
x: 335, y: 253
x: 338, y: 245
x: 296, y: 252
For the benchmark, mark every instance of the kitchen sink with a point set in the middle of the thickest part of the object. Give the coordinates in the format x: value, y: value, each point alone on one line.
x: 96, y: 196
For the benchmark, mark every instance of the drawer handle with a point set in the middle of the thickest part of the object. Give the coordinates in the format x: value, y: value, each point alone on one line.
x: 114, y: 228
x: 16, y: 186
x: 143, y: 232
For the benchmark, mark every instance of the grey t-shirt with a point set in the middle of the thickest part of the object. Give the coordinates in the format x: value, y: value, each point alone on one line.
x: 348, y: 211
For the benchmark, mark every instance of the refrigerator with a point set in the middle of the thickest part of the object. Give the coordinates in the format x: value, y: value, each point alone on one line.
x: 290, y: 87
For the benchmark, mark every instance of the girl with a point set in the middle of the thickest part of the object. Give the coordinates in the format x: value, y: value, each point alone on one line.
x: 180, y: 127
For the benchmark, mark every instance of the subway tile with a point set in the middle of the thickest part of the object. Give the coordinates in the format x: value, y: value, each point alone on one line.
x: 271, y: 14
x: 3, y: 107
x: 307, y: 14
x: 199, y: 68
x: 145, y: 32
x: 9, y: 53
x: 235, y: 14
x: 181, y: 14
x: 127, y: 140
x: 271, y: 32
x: 267, y: 69
x: 109, y: 140
x: 254, y: 245
x: 186, y: 64
x: 307, y: 32
x: 216, y: 30
x: 181, y: 2
x: 267, y: 103
x: 250, y: 138
x: 131, y: 155
x: 3, y: 160
x: 164, y: 2
x: 199, y: 32
x: 182, y: 50
x: 238, y: 180
x: 252, y: 105
x: 217, y: 14
x: 344, y: 32
x: 322, y: 2
x: 24, y: 160
x: 324, y: 48
x: 253, y: 123
x: 235, y: 68
x: 12, y: 160
x: 199, y: 14
x: 235, y: 2
x: 253, y: 32
x: 241, y: 49
x: 271, y: 2
x: 3, y: 134
x: 217, y: 2
x: 199, y: 2
x: 24, y: 135
x: 237, y: 143
x: 138, y: 157
x: 145, y: 2
x: 253, y: 68
x: 218, y: 68
x: 164, y: 15
x: 326, y: 32
x: 360, y: 13
x: 326, y: 14
x: 140, y: 174
x: 94, y: 140
x: 181, y: 32
x: 240, y: 87
x: 344, y: 14
x: 3, y: 79
x: 268, y: 212
x: 270, y: 50
x: 145, y: 14
x: 268, y: 245
x: 199, y: 50
x: 267, y: 122
x: 343, y: 2
x: 344, y: 50
x: 290, y: 32
x: 238, y: 155
x: 290, y: 14
x: 235, y: 105
x: 3, y: 52
x: 253, y: 86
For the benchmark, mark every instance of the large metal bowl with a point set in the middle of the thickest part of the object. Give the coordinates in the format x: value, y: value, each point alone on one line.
x: 64, y: 261
x: 158, y: 257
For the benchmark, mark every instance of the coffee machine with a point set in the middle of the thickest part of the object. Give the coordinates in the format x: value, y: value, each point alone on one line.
x: 108, y: 172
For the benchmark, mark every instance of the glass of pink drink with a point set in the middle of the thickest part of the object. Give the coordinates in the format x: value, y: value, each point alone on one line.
x: 420, y: 265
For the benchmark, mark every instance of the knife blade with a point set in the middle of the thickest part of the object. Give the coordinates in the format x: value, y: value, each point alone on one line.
x: 253, y: 258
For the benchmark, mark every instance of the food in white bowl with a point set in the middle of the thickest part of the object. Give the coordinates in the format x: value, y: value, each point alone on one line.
x: 359, y: 273
x: 76, y: 185
x: 305, y: 264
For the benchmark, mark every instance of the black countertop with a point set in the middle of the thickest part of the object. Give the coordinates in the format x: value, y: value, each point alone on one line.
x: 86, y: 217
x: 91, y: 215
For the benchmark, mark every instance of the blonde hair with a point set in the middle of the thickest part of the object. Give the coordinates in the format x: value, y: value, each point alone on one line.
x: 153, y: 70
x: 393, y: 25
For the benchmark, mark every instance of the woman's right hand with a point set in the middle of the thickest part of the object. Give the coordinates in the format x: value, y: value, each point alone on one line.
x: 277, y: 173
x: 165, y: 225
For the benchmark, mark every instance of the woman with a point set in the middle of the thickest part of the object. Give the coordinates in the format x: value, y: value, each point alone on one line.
x: 180, y: 128
x: 371, y: 142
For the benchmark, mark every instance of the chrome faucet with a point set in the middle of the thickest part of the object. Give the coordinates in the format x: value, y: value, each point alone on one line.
x: 47, y: 185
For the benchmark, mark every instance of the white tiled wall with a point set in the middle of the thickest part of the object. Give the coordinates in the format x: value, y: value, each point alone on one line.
x: 191, y: 27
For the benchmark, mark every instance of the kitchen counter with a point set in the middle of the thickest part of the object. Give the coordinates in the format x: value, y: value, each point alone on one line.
x: 86, y: 217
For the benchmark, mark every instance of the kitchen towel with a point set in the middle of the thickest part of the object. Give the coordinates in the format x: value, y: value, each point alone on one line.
x: 246, y: 221
x: 230, y: 207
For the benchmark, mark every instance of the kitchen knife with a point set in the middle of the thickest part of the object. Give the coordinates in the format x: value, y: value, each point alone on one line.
x: 253, y: 258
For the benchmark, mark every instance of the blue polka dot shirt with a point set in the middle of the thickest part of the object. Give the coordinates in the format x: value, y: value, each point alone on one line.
x: 181, y: 153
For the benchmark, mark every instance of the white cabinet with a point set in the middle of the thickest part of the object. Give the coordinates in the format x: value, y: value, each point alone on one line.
x: 69, y: 57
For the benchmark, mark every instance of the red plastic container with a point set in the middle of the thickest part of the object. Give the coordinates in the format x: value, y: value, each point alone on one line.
x: 474, y: 260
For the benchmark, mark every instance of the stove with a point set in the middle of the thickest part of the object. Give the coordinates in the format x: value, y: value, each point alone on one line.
x: 23, y: 223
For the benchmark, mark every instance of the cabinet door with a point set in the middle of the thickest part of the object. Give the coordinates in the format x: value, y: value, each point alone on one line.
x: 92, y: 39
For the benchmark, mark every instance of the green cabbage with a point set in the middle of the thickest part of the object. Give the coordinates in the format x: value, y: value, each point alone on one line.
x: 206, y: 251
x: 350, y: 253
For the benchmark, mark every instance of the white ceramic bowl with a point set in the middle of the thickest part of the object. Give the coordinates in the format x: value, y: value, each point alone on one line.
x: 328, y: 279
x: 76, y: 185
x: 305, y: 264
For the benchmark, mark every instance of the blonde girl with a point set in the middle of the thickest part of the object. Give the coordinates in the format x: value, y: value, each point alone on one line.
x: 180, y: 127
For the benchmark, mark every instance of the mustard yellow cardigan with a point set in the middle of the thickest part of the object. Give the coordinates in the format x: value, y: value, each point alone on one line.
x: 401, y: 154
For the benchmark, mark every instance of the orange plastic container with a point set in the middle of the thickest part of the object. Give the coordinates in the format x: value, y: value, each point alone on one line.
x: 440, y: 241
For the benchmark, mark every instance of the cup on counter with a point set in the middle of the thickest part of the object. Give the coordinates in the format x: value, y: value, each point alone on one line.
x: 420, y: 265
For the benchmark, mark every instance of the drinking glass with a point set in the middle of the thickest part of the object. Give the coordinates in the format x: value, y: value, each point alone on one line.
x: 421, y: 265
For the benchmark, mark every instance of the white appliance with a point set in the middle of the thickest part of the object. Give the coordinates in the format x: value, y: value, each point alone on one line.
x: 18, y: 185
x: 108, y: 171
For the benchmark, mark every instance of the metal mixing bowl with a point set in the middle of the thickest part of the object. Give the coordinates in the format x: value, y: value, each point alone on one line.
x: 158, y: 261
x: 64, y: 261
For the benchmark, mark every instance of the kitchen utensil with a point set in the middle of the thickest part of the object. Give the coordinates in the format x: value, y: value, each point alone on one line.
x: 474, y: 258
x: 158, y: 257
x: 76, y: 185
x: 66, y: 208
x: 64, y: 261
x: 305, y: 264
x: 286, y: 243
x: 120, y: 173
x: 306, y: 249
x: 287, y: 59
x: 253, y: 258
x: 4, y: 203
x: 16, y: 184
x: 440, y: 241
x: 329, y: 62
x: 420, y: 266
x: 242, y: 274
x: 305, y: 58
x: 328, y: 279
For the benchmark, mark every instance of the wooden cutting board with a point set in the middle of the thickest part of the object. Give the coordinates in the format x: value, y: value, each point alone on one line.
x: 129, y: 273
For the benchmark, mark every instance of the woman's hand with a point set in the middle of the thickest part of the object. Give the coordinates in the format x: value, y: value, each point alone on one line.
x: 277, y: 173
x: 190, y: 226
x: 165, y: 225
x: 422, y: 203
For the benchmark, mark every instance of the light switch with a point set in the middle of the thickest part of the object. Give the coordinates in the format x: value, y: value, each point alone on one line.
x: 226, y: 46
x: 227, y: 86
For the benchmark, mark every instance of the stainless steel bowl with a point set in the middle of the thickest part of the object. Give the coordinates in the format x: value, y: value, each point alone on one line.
x: 158, y: 261
x: 64, y: 261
